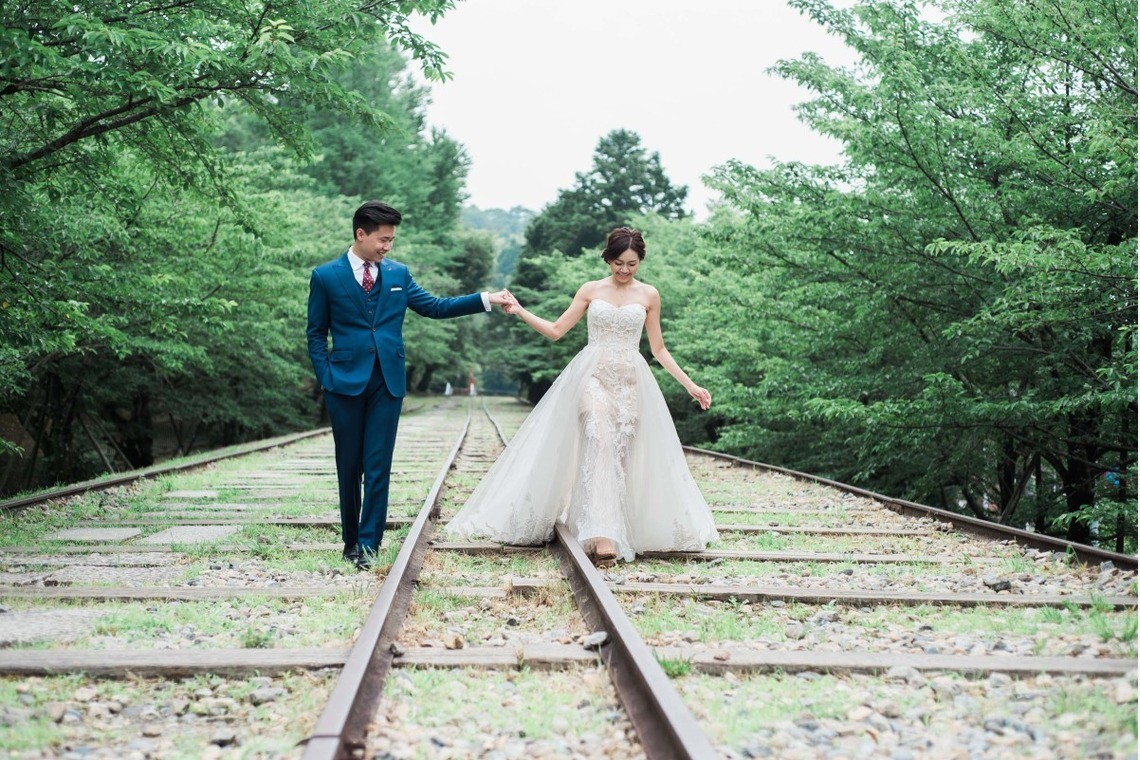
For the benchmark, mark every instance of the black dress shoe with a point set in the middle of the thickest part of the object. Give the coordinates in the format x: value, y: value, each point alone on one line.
x: 366, y: 558
x: 351, y: 553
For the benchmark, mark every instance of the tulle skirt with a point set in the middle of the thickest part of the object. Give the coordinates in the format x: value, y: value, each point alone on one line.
x: 599, y: 453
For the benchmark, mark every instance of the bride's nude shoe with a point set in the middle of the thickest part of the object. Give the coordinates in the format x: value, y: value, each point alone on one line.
x: 605, y: 553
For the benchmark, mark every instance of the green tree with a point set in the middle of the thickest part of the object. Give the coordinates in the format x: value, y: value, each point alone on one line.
x: 625, y: 182
x: 145, y: 272
x: 508, y: 227
x: 950, y: 314
x: 419, y: 170
x: 446, y: 350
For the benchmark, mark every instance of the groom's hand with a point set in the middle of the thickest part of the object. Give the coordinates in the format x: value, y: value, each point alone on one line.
x: 506, y: 300
x: 501, y: 298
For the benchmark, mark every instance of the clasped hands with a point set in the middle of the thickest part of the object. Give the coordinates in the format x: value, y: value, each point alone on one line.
x: 504, y: 298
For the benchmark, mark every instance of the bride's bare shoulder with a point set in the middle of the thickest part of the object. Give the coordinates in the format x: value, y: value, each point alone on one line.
x: 589, y: 289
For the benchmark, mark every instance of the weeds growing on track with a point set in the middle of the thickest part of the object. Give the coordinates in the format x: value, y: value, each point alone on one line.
x: 675, y: 667
x: 248, y: 622
x: 24, y: 527
x: 458, y: 569
x: 578, y: 703
x: 434, y: 613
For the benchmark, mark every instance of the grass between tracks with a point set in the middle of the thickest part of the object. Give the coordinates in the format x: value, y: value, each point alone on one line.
x: 180, y: 714
x: 840, y: 518
x: 248, y: 623
x: 774, y: 540
x: 550, y: 615
x: 1053, y: 631
x: 696, y: 571
x: 436, y: 610
x: 30, y: 526
x: 443, y: 568
x: 465, y: 708
x: 1071, y: 717
x: 24, y: 527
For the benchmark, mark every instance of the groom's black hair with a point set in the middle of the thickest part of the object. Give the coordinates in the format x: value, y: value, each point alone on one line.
x: 374, y: 214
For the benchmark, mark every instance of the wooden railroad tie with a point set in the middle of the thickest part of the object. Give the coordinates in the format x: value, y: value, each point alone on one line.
x: 490, y: 547
x: 524, y: 587
x: 394, y: 522
x: 487, y: 547
x: 166, y: 593
x: 185, y: 662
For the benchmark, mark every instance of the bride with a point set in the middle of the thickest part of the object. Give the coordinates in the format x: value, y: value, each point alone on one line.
x: 599, y: 452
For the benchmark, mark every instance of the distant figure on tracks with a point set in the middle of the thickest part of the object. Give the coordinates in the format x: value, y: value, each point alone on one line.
x: 599, y: 452
x: 359, y: 300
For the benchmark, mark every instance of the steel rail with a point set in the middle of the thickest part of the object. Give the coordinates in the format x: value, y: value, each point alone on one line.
x: 494, y: 423
x: 125, y: 478
x: 340, y: 730
x: 984, y: 528
x: 664, y: 725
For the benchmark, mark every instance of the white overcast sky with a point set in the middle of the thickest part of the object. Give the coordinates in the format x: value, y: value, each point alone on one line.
x: 538, y: 82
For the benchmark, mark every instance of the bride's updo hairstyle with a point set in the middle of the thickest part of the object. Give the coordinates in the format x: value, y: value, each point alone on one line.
x: 621, y: 240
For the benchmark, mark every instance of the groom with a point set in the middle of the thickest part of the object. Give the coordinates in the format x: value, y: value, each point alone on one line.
x: 359, y: 299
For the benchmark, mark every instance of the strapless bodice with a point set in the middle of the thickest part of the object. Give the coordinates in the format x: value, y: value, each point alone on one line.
x: 615, y: 326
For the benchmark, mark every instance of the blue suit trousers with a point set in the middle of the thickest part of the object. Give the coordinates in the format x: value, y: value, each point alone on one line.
x: 364, y: 435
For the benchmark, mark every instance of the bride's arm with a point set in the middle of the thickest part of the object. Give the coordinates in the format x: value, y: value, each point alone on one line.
x: 556, y: 329
x: 662, y: 355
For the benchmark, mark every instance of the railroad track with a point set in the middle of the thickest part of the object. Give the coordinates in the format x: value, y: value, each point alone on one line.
x: 824, y: 621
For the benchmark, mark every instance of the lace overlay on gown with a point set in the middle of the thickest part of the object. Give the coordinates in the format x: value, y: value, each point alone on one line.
x: 599, y: 453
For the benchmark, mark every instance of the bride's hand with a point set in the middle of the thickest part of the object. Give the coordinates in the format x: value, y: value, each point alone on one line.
x: 703, y: 397
x: 511, y: 306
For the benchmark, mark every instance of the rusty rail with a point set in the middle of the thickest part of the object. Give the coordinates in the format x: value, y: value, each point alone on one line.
x: 340, y: 730
x: 124, y: 478
x: 984, y: 528
x: 664, y: 725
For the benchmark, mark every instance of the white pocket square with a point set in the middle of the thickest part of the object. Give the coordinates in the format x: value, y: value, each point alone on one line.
x: 393, y: 290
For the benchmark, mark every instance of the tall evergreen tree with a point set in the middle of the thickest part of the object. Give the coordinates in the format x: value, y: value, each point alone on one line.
x: 625, y: 183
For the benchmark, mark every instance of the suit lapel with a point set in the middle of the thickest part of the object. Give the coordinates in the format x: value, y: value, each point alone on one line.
x: 351, y: 286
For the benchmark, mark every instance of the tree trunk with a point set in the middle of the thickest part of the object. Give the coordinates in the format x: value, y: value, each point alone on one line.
x: 536, y: 390
x: 71, y: 470
x: 37, y: 446
x: 1042, y: 504
x: 136, y: 431
x: 1007, y: 477
x: 1079, y: 483
x: 231, y: 432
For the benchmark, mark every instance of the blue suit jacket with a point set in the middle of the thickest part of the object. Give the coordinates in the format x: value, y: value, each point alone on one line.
x: 337, y: 308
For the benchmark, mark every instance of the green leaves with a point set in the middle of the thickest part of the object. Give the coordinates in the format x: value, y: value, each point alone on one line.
x: 624, y: 182
x: 155, y: 244
x: 957, y: 301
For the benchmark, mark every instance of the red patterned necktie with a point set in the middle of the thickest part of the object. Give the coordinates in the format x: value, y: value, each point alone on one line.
x: 368, y: 282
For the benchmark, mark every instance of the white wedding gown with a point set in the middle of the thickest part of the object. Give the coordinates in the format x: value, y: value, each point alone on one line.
x: 599, y: 453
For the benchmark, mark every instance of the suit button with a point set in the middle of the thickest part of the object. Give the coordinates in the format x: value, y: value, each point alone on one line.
x: 373, y: 329
x: 372, y: 350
